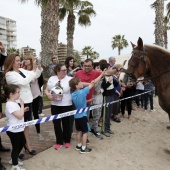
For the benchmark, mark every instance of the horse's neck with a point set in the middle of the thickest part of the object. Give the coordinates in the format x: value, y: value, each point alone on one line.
x: 158, y: 59
x: 158, y: 63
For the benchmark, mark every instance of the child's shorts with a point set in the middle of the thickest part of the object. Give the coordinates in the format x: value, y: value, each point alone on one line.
x: 82, y: 124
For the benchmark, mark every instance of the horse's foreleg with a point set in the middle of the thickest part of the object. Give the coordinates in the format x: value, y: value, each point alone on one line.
x: 168, y: 127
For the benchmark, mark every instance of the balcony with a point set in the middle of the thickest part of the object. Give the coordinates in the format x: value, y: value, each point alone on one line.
x: 11, y: 39
x: 2, y: 32
x: 12, y: 29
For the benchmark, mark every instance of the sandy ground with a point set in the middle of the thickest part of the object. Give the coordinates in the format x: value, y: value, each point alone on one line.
x: 142, y: 143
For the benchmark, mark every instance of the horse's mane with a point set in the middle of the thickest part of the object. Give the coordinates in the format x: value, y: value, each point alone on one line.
x: 158, y: 48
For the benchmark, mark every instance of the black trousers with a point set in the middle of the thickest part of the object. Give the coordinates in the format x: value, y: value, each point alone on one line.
x: 35, y: 108
x: 127, y: 102
x: 18, y: 141
x: 61, y: 126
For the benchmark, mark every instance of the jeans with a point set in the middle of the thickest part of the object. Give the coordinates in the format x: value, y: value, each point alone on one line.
x: 150, y: 97
x: 107, y: 113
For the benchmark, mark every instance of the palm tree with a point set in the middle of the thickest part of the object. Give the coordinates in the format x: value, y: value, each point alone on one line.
x: 168, y: 9
x: 83, y: 9
x: 88, y: 51
x: 49, y: 31
x: 77, y: 57
x: 158, y: 5
x: 12, y: 51
x: 166, y: 28
x: 119, y: 42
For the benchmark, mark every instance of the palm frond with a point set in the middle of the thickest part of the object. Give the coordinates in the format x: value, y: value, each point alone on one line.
x: 154, y: 5
x: 62, y: 13
x: 84, y: 20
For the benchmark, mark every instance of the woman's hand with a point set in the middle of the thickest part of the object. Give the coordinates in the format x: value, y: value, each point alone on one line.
x: 50, y: 96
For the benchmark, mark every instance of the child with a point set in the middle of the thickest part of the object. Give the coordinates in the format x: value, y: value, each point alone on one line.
x: 79, y: 99
x: 97, y: 100
x: 15, y: 115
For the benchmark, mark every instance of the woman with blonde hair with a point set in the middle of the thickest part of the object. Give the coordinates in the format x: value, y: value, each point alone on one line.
x: 21, y: 77
x: 35, y: 85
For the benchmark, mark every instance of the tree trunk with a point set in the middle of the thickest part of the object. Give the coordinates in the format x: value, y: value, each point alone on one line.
x: 166, y: 38
x: 159, y: 18
x: 118, y: 51
x: 49, y: 34
x: 70, y: 33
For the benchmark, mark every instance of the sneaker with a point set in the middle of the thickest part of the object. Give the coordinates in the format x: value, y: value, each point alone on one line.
x: 78, y: 148
x: 106, y: 134
x: 117, y: 120
x: 58, y: 146
x: 86, y: 150
x: 19, y: 162
x: 145, y: 110
x: 97, y: 135
x: 87, y: 142
x: 153, y: 110
x: 16, y: 167
x: 110, y: 131
x: 67, y: 145
x: 42, y: 115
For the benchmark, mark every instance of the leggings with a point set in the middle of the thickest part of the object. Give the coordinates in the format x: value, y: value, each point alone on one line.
x: 18, y: 142
x: 35, y: 107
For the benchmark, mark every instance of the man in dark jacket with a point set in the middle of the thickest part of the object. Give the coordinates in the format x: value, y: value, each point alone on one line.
x: 2, y: 59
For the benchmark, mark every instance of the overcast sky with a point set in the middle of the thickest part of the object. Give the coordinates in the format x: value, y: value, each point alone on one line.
x: 132, y: 18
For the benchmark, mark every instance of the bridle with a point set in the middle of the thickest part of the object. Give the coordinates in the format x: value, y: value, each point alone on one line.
x: 135, y: 60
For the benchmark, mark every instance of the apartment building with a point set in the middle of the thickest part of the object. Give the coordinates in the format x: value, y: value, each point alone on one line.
x: 8, y: 34
x: 27, y: 51
x: 62, y: 52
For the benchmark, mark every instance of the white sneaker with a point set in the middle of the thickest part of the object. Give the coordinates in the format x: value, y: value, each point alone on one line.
x: 41, y: 114
x: 153, y: 110
x: 19, y: 162
x: 145, y: 110
x: 16, y: 167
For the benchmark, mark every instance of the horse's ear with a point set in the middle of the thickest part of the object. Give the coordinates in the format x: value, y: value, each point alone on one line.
x: 133, y: 45
x: 140, y: 43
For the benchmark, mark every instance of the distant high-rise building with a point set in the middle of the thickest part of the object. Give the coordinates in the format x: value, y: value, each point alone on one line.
x: 27, y: 51
x: 8, y: 34
x: 62, y: 52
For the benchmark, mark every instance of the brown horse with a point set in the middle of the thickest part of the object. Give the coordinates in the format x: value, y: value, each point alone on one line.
x: 152, y: 62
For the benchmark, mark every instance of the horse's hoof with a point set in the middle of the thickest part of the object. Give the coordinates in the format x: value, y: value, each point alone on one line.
x: 168, y: 127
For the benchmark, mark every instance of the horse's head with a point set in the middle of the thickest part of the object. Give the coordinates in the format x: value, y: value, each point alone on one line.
x: 137, y: 65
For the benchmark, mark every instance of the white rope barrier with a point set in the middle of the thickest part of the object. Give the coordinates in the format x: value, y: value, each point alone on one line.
x: 59, y: 116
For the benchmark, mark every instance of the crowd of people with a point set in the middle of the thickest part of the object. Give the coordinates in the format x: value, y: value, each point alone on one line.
x: 69, y: 87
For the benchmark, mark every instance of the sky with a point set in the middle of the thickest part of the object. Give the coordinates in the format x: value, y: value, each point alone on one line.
x: 132, y: 18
